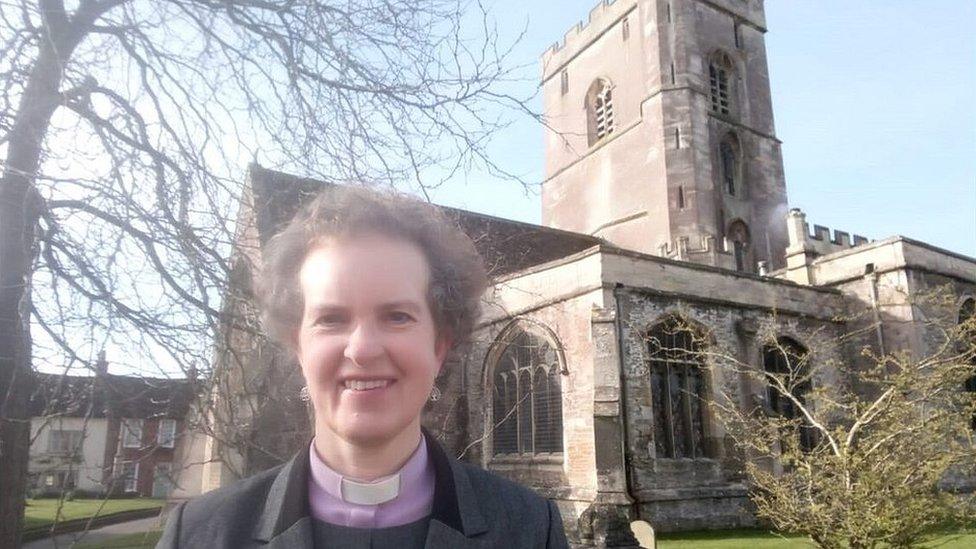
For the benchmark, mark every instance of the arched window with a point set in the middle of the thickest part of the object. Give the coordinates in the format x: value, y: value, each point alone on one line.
x: 729, y: 165
x: 526, y: 405
x: 966, y: 313
x: 786, y: 360
x: 719, y: 78
x: 677, y: 389
x: 738, y: 239
x: 599, y: 110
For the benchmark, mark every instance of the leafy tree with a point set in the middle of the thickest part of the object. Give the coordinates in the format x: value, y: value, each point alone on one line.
x: 123, y: 128
x: 858, y: 453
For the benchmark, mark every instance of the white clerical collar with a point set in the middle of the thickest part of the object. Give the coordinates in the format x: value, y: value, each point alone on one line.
x: 371, y: 493
x: 368, y: 493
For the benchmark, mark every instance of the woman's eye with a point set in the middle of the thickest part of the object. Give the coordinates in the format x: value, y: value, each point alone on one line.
x: 398, y: 317
x: 329, y: 320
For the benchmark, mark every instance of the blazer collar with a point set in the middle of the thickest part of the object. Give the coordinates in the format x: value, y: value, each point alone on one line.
x: 456, y: 504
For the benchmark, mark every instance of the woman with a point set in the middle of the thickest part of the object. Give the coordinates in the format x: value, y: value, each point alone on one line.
x: 370, y: 293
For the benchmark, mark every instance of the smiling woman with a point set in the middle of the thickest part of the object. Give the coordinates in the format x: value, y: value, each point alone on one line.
x: 370, y: 292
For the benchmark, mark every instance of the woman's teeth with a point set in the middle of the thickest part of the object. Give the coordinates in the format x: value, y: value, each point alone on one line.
x: 357, y: 385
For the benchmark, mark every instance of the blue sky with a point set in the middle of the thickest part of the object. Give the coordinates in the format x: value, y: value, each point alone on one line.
x: 875, y: 102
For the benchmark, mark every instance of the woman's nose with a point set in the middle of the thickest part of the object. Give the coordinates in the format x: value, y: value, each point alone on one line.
x: 364, y: 344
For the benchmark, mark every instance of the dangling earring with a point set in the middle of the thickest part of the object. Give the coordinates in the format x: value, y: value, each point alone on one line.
x: 304, y: 395
x: 435, y: 394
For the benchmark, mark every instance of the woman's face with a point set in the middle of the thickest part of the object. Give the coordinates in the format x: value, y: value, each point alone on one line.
x: 367, y: 343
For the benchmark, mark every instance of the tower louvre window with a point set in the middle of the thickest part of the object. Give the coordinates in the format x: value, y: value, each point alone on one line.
x: 599, y: 107
x: 604, y: 113
x: 719, y: 78
x: 739, y: 245
x: 564, y: 82
x: 625, y: 28
x: 729, y: 166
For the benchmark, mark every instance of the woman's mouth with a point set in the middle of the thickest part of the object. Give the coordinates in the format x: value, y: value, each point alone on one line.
x: 363, y: 385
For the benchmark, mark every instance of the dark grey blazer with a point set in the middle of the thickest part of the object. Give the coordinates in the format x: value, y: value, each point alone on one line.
x: 472, y: 509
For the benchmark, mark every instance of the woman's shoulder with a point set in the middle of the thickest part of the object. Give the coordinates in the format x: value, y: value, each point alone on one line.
x: 221, y: 518
x: 489, y: 485
x: 236, y: 494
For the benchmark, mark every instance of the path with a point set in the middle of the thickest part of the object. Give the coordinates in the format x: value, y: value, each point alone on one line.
x: 64, y: 541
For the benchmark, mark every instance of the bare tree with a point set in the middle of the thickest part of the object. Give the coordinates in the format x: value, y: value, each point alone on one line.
x: 856, y: 449
x: 123, y: 126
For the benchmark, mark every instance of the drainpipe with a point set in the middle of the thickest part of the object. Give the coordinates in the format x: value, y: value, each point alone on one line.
x: 618, y: 326
x: 872, y: 278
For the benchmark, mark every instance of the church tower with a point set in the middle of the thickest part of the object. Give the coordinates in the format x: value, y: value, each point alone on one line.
x: 660, y: 132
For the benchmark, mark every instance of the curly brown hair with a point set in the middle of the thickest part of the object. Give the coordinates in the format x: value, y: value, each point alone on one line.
x: 457, y: 272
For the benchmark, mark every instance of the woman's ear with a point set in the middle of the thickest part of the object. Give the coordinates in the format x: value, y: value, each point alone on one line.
x: 441, y: 348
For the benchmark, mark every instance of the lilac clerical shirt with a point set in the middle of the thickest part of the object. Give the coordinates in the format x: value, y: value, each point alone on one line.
x: 414, y: 502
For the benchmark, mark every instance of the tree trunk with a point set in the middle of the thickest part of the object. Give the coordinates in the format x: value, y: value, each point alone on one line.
x: 19, y: 205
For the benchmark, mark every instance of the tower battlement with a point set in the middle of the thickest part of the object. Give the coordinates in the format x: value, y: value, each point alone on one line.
x: 603, y: 16
x: 819, y: 241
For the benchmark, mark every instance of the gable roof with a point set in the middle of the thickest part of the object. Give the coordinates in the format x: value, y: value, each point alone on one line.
x: 506, y: 246
x: 109, y: 395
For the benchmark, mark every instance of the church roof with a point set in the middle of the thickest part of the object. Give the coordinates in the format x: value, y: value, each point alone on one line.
x: 507, y: 246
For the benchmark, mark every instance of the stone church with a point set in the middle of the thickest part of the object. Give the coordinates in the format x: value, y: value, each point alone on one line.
x: 664, y: 199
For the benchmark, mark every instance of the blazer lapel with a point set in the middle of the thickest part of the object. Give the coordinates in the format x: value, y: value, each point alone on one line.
x: 286, y: 511
x: 440, y: 535
x: 456, y: 517
x: 298, y: 536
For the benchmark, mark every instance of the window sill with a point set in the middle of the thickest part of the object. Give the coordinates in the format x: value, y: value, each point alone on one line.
x: 521, y: 459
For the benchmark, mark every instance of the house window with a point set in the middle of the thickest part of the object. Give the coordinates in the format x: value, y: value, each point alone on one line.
x: 166, y: 434
x: 526, y: 404
x: 564, y: 82
x: 130, y: 476
x: 131, y: 433
x: 966, y: 313
x: 162, y: 480
x: 64, y: 441
x: 719, y: 73
x: 599, y: 110
x: 677, y: 390
x: 785, y: 364
x: 60, y: 480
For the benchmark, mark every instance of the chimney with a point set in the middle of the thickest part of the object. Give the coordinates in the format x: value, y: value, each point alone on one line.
x: 101, y: 365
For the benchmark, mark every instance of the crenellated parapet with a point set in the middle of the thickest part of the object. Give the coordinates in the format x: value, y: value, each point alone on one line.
x: 818, y: 242
x: 603, y: 16
x: 804, y: 247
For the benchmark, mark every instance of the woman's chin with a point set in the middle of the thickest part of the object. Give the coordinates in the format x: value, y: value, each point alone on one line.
x: 369, y: 430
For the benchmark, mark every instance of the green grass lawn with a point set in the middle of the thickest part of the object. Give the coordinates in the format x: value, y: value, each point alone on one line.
x: 131, y: 541
x: 759, y: 539
x: 719, y: 539
x: 43, y: 512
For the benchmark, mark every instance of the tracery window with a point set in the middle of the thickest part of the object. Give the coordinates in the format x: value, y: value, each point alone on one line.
x: 787, y: 360
x: 526, y: 404
x: 677, y: 390
x: 599, y: 111
x: 719, y: 77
